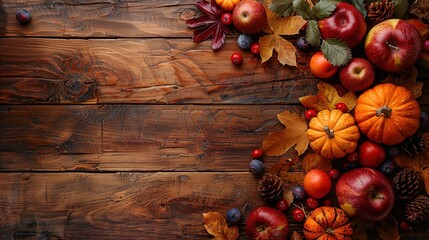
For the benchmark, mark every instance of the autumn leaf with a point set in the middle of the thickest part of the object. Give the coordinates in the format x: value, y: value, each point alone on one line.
x: 291, y: 179
x: 294, y: 135
x: 282, y: 166
x: 314, y: 160
x: 295, y: 236
x: 327, y: 98
x: 384, y: 229
x: 407, y: 79
x: 216, y: 225
x: 418, y: 163
x: 279, y: 26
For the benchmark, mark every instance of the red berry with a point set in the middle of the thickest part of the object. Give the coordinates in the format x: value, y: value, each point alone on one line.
x: 352, y: 157
x: 341, y: 106
x: 298, y: 215
x: 237, y: 58
x: 334, y: 174
x: 255, y: 48
x: 257, y: 153
x: 226, y: 19
x: 404, y: 225
x: 327, y: 202
x: 312, y: 203
x: 426, y: 45
x: 282, y: 204
x: 310, y: 113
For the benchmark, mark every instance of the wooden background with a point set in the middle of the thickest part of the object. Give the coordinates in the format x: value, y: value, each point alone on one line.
x: 115, y: 125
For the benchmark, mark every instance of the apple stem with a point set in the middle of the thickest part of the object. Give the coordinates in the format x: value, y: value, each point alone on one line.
x: 392, y: 46
x: 329, y: 132
x: 384, y: 111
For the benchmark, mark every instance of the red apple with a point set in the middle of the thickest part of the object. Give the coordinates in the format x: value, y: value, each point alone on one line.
x: 371, y: 154
x: 393, y: 45
x: 249, y: 16
x: 345, y: 23
x: 265, y: 223
x: 365, y: 193
x: 357, y: 75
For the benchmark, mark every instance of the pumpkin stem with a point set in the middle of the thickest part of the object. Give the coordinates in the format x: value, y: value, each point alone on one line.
x: 384, y: 111
x: 329, y: 231
x: 328, y: 131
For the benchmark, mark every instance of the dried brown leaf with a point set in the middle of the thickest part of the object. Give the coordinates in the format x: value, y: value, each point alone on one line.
x: 384, y: 229
x: 295, y: 236
x: 420, y: 8
x: 314, y: 160
x: 294, y: 135
x: 407, y: 79
x: 215, y: 224
x: 283, y: 165
x: 327, y: 98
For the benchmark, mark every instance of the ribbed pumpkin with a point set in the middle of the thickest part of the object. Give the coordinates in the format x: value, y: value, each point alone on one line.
x: 328, y: 223
x: 227, y: 5
x: 387, y: 113
x: 333, y: 134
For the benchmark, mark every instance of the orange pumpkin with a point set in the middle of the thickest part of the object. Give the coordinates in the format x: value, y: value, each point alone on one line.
x: 227, y: 5
x: 328, y: 223
x: 333, y: 134
x: 387, y: 113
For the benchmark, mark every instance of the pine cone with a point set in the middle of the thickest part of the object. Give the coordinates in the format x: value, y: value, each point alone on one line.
x: 407, y: 183
x: 417, y: 210
x: 270, y: 188
x: 380, y: 10
x: 413, y: 145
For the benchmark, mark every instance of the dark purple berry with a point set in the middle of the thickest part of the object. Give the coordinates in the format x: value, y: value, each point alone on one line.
x: 256, y: 166
x: 302, y: 43
x: 424, y: 118
x: 23, y: 16
x: 387, y: 167
x: 233, y: 216
x: 244, y: 41
x: 298, y: 192
x: 393, y: 151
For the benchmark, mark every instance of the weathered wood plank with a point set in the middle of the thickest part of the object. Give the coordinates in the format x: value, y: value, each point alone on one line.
x: 143, y: 71
x: 134, y: 137
x: 88, y: 18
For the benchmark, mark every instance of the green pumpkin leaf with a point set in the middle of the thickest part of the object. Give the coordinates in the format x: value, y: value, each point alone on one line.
x: 360, y: 5
x: 324, y: 8
x: 281, y: 7
x: 312, y: 33
x: 302, y: 8
x: 337, y: 52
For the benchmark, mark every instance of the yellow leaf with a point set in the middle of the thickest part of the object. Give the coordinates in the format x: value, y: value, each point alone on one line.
x: 289, y: 25
x: 285, y: 49
x: 327, y: 98
x: 282, y: 166
x: 294, y: 135
x: 314, y: 160
x: 215, y: 224
x: 407, y: 79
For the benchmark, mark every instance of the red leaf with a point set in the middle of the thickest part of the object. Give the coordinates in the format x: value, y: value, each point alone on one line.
x: 203, y: 33
x: 200, y: 21
x: 210, y: 8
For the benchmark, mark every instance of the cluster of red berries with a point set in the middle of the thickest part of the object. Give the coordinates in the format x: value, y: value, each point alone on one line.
x: 237, y: 58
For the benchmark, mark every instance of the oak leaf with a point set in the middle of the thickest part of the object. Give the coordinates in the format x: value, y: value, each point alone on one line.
x: 215, y: 224
x: 418, y: 163
x: 407, y: 79
x: 294, y: 135
x: 279, y: 26
x: 327, y: 98
x: 314, y: 160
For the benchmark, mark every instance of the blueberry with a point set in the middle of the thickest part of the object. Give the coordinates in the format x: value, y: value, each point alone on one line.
x: 256, y: 166
x: 393, y: 151
x: 387, y: 167
x: 424, y: 118
x: 233, y: 216
x: 244, y: 41
x: 298, y: 192
x: 23, y: 16
x: 302, y: 43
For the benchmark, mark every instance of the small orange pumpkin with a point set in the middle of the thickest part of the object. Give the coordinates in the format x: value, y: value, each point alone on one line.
x: 333, y: 134
x: 227, y: 5
x: 328, y: 223
x: 387, y: 113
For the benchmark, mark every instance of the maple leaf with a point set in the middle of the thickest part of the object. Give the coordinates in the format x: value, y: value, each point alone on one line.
x: 295, y: 134
x: 314, y: 160
x: 384, y: 229
x: 407, y: 79
x: 209, y: 24
x: 281, y: 169
x: 327, y: 98
x: 215, y: 224
x: 295, y: 236
x: 418, y: 163
x: 279, y: 26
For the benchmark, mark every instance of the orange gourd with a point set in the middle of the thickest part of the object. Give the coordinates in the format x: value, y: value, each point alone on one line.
x: 227, y: 5
x: 387, y: 113
x: 328, y: 223
x: 333, y: 134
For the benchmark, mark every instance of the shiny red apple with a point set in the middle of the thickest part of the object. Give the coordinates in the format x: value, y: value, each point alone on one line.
x: 365, y: 193
x: 346, y: 23
x: 357, y: 75
x: 267, y: 223
x: 249, y: 16
x: 393, y: 45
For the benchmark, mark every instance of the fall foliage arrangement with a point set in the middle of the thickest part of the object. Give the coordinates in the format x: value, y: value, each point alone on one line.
x: 365, y: 162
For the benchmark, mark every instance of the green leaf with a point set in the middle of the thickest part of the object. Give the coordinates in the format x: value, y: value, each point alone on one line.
x: 281, y: 7
x: 312, y: 33
x: 337, y: 52
x: 324, y: 8
x: 360, y: 5
x: 401, y: 8
x: 302, y: 8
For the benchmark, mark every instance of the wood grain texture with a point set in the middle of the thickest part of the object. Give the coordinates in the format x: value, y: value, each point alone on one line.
x: 163, y: 71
